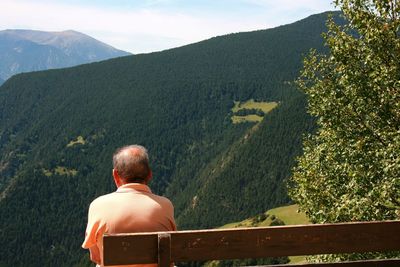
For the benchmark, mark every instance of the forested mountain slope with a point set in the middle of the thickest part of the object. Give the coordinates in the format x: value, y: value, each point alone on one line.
x: 251, y: 174
x: 59, y: 128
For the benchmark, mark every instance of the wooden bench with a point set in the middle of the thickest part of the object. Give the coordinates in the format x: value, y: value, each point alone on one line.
x: 239, y: 243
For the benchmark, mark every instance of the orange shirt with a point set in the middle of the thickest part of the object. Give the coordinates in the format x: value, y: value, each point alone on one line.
x: 132, y: 208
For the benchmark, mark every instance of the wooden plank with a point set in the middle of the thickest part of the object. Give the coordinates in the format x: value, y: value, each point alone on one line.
x: 364, y: 263
x: 256, y: 242
x: 286, y: 241
x: 130, y: 248
x: 164, y: 250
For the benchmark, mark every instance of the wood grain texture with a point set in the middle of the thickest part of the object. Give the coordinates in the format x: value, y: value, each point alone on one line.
x: 256, y: 242
x: 164, y: 250
x: 130, y: 248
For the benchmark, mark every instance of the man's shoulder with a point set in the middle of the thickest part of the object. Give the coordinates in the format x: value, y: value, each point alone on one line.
x: 113, y: 199
x: 164, y: 200
x: 102, y: 199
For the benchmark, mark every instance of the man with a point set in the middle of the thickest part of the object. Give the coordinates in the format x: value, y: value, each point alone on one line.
x: 132, y: 208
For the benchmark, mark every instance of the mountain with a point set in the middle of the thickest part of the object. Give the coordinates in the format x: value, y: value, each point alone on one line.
x: 28, y: 50
x: 59, y: 128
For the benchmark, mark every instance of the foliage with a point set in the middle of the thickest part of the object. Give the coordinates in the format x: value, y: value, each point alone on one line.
x: 351, y: 167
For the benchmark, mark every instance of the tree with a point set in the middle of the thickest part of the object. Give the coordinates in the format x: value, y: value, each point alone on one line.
x: 350, y: 168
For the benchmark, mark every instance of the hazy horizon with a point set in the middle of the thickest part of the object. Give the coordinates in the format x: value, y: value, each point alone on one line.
x: 154, y: 25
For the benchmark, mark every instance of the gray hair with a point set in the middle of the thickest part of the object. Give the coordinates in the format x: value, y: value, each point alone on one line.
x: 132, y: 163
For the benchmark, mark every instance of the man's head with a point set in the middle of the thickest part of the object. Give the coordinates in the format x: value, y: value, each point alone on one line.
x: 131, y: 165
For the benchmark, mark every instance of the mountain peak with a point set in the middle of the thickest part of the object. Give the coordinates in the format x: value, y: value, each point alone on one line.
x: 26, y: 50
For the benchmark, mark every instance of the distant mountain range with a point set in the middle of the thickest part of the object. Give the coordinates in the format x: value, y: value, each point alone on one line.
x: 28, y: 50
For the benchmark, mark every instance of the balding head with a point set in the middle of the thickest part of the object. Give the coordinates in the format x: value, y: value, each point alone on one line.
x: 132, y: 163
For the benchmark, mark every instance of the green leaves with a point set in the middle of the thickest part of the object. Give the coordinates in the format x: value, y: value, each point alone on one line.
x: 350, y: 169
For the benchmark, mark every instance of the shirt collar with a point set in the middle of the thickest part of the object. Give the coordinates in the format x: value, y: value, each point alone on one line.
x: 132, y: 187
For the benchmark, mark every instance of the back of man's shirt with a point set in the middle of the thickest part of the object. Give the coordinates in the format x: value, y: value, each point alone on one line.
x: 132, y: 208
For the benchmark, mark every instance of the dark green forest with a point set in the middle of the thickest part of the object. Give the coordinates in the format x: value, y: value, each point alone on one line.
x: 178, y: 104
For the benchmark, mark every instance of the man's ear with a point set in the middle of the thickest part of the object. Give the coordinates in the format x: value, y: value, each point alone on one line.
x: 149, y: 177
x: 117, y: 179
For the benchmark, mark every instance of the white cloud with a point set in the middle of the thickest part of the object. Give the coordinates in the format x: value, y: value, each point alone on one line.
x: 135, y: 30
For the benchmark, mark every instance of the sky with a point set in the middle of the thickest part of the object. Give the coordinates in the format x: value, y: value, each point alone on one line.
x: 154, y: 25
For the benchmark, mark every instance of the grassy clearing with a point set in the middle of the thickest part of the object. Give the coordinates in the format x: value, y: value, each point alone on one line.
x: 297, y: 259
x: 79, y: 141
x: 47, y: 172
x: 265, y: 107
x: 60, y: 171
x: 251, y: 104
x: 250, y: 118
x: 288, y: 214
x: 65, y: 171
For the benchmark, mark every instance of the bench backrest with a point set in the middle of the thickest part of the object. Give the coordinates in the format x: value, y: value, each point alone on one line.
x: 164, y: 247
